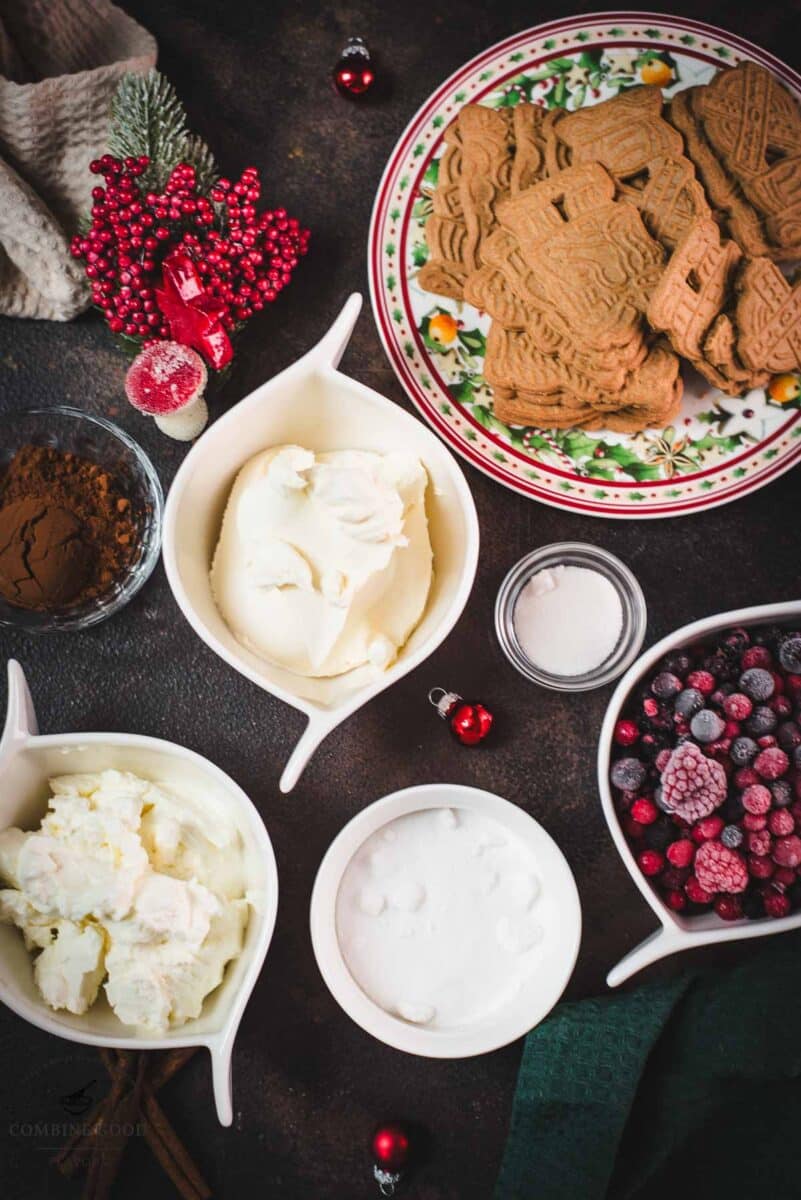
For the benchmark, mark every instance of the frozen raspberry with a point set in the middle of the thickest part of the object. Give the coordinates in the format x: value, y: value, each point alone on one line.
x: 728, y: 908
x: 707, y: 829
x: 628, y: 774
x: 780, y: 822
x: 760, y: 866
x: 745, y: 777
x: 644, y: 811
x: 675, y: 900
x: 753, y: 822
x: 756, y: 656
x: 626, y: 733
x: 776, y: 904
x: 757, y: 799
x: 696, y: 893
x: 702, y: 681
x: 721, y: 870
x: 681, y: 853
x: 737, y: 707
x: 662, y: 759
x: 787, y: 851
x: 732, y: 837
x: 759, y: 842
x: 693, y: 786
x: 651, y: 862
x: 771, y: 763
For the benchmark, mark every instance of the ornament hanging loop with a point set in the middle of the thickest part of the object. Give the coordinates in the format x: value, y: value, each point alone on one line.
x: 442, y: 700
x: 387, y: 1181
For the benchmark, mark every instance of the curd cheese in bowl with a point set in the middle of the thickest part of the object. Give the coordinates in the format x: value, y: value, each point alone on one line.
x: 324, y: 561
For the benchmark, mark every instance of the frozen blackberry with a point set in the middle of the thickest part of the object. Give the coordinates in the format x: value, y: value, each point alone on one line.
x: 628, y: 774
x: 788, y: 735
x: 763, y: 720
x: 677, y: 663
x: 666, y: 685
x: 707, y: 726
x: 732, y: 836
x: 723, y: 666
x: 790, y: 653
x: 743, y: 750
x: 688, y: 703
x: 757, y: 683
x: 737, y: 640
x: 782, y: 793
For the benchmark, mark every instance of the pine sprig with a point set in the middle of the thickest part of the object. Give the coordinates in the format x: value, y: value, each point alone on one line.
x: 148, y: 118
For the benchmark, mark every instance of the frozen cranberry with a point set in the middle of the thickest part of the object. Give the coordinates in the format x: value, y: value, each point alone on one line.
x: 674, y: 877
x: 651, y: 862
x: 707, y: 829
x: 793, y: 684
x: 780, y: 822
x: 756, y: 656
x: 784, y: 876
x: 675, y: 900
x: 644, y: 811
x: 765, y: 742
x: 626, y: 733
x: 702, y: 681
x: 731, y: 730
x: 771, y: 763
x: 728, y: 908
x: 760, y: 866
x: 753, y: 822
x: 745, y: 777
x: 776, y: 904
x: 787, y: 851
x: 759, y: 842
x: 778, y: 683
x: 681, y: 853
x: 757, y: 799
x: 738, y: 706
x: 696, y: 893
x: 632, y: 829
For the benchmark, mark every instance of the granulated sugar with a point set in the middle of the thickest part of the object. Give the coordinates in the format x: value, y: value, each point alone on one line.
x: 568, y: 620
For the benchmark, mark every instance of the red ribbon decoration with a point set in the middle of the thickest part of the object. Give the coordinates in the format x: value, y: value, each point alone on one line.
x: 193, y: 317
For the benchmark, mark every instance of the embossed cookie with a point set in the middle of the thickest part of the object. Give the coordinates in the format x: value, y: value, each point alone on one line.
x: 624, y: 134
x: 768, y: 317
x: 669, y: 198
x: 486, y: 171
x: 529, y: 162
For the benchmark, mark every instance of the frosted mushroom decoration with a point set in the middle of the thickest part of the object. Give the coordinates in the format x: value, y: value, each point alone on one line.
x: 166, y: 381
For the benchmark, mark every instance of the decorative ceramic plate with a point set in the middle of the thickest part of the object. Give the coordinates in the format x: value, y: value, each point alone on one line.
x: 718, y: 448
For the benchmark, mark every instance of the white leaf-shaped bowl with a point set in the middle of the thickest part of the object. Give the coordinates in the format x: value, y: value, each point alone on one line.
x: 677, y: 932
x: 314, y: 405
x: 27, y: 761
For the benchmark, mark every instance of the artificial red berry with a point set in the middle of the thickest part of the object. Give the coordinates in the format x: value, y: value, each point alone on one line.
x: 651, y: 862
x: 680, y: 853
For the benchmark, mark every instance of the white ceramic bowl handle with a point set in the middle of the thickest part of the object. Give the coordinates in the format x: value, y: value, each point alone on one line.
x: 332, y: 346
x: 221, y: 1080
x: 20, y: 716
x: 307, y: 743
x: 658, y: 945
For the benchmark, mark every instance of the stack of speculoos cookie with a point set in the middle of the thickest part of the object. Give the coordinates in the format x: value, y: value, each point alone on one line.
x: 607, y: 242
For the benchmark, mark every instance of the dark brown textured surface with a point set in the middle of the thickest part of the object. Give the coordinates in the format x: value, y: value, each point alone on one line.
x: 308, y: 1084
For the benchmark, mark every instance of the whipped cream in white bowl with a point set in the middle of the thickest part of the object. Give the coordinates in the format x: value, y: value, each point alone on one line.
x: 314, y: 407
x: 445, y: 921
x: 28, y: 761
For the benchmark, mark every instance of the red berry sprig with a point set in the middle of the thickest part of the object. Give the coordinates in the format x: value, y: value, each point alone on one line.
x: 243, y: 258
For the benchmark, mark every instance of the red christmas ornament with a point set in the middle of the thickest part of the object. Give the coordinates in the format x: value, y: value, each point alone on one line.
x: 390, y: 1146
x: 194, y: 318
x: 469, y: 720
x: 354, y: 74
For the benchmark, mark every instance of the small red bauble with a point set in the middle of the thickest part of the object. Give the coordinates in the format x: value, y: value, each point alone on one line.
x: 354, y: 74
x: 390, y: 1146
x: 469, y: 720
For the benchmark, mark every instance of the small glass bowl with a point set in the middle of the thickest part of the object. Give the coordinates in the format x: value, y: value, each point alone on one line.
x: 100, y: 441
x: 573, y: 554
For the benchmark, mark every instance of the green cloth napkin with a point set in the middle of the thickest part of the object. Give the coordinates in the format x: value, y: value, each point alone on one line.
x: 684, y: 1088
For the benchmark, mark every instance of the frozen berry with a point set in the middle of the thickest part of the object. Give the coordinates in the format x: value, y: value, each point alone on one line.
x: 745, y: 777
x: 674, y: 877
x: 688, y: 702
x: 650, y: 707
x: 780, y: 822
x: 758, y: 842
x: 681, y: 853
x: 696, y: 893
x: 756, y: 656
x: 771, y: 763
x: 757, y: 683
x: 693, y: 786
x: 675, y: 900
x: 760, y: 866
x: 737, y: 706
x: 785, y: 876
x: 766, y: 741
x: 788, y: 735
x: 782, y: 793
x: 743, y: 750
x: 703, y: 681
x: 678, y: 663
x: 626, y: 733
x: 782, y: 706
x: 659, y: 835
x: 776, y: 904
x: 706, y: 725
x: 666, y: 685
x: 790, y: 653
x: 793, y: 684
x: 753, y: 822
x: 787, y: 851
x: 632, y: 829
x: 644, y: 811
x: 757, y: 799
x: 651, y: 862
x: 762, y: 720
x: 628, y: 774
x: 662, y: 759
x: 719, y: 869
x: 732, y: 837
x: 728, y: 908
x: 707, y: 829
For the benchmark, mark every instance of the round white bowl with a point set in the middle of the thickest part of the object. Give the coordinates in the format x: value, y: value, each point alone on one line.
x: 314, y: 405
x: 538, y: 995
x: 675, y: 931
x: 27, y: 761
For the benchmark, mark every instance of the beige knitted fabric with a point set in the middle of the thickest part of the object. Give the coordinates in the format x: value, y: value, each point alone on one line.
x: 60, y: 61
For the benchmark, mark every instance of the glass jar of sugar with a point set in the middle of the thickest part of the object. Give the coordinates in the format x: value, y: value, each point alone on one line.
x: 570, y: 616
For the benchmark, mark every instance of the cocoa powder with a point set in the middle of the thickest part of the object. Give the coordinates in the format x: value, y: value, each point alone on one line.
x: 66, y: 530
